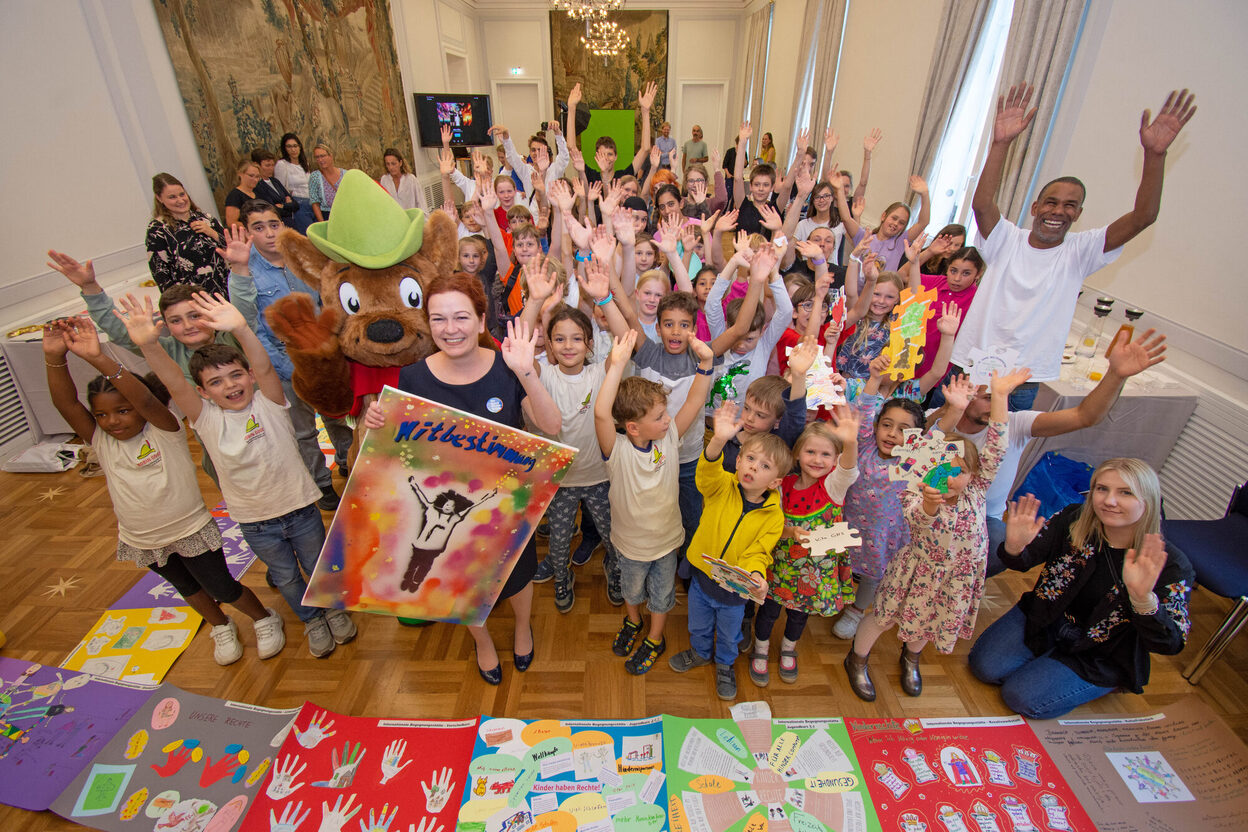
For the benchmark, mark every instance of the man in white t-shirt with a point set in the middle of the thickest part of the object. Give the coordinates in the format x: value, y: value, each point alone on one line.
x: 1026, y: 300
x: 1126, y: 360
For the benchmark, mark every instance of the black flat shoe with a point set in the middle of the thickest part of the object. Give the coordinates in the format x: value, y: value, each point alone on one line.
x: 523, y: 662
x: 494, y: 675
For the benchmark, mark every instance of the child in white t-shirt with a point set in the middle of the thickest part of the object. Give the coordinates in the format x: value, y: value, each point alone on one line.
x: 251, y: 440
x: 142, y: 450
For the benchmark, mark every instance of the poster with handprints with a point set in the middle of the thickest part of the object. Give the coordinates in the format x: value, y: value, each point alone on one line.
x: 572, y: 775
x: 137, y: 645
x: 439, y: 506
x: 182, y: 763
x: 988, y: 773
x: 347, y: 772
x: 52, y: 722
x: 751, y: 773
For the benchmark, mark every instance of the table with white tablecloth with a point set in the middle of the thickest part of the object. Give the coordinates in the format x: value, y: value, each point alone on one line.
x: 1144, y: 423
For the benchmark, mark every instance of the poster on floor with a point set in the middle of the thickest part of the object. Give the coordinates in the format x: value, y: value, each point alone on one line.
x: 137, y: 645
x: 566, y: 775
x: 52, y: 722
x: 439, y: 506
x: 1168, y: 772
x: 183, y: 762
x: 987, y: 773
x: 381, y: 773
x: 751, y: 772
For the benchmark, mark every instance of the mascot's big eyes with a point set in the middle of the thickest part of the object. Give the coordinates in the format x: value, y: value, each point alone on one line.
x: 349, y: 298
x: 410, y: 292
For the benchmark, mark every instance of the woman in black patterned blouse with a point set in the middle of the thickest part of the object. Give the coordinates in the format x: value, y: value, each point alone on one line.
x: 182, y: 240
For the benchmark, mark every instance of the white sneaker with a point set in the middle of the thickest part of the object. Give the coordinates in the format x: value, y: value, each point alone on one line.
x: 269, y: 636
x: 847, y: 624
x: 228, y: 648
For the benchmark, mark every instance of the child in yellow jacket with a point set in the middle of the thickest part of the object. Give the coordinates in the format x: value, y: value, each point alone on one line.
x: 741, y: 522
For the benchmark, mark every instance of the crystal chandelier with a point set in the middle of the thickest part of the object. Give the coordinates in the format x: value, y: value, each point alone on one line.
x: 587, y: 10
x: 603, y: 38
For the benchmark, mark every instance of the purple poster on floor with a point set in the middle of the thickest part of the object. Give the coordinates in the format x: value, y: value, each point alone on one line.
x: 52, y: 723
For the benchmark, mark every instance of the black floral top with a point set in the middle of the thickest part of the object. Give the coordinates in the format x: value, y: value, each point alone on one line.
x: 1080, y: 610
x: 179, y: 254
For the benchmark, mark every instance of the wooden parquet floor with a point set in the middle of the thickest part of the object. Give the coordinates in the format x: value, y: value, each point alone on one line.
x: 60, y: 526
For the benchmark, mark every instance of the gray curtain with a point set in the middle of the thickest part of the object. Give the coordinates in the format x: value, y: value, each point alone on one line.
x: 755, y: 75
x: 821, y: 54
x: 1043, y: 36
x: 955, y: 46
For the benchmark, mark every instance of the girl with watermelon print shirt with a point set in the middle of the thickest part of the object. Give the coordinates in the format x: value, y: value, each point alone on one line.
x: 827, y: 461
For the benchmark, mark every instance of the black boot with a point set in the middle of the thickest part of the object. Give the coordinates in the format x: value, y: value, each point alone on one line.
x: 911, y: 679
x: 859, y: 676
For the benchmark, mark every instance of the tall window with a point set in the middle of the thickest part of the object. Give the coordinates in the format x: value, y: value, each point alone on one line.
x: 962, y: 148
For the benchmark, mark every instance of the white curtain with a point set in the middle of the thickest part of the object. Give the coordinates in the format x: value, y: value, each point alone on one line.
x: 1043, y: 37
x: 818, y: 65
x: 755, y: 55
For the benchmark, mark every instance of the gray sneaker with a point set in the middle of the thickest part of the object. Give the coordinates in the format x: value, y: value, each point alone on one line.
x: 725, y: 682
x: 320, y: 639
x: 565, y: 593
x: 341, y: 627
x: 686, y: 660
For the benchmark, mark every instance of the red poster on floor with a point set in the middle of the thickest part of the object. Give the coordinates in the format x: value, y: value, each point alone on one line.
x: 963, y: 775
x: 335, y: 770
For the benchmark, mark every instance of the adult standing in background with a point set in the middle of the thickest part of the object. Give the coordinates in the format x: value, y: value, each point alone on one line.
x: 324, y: 181
x: 1026, y: 300
x: 666, y: 145
x: 292, y: 171
x: 182, y: 240
x: 400, y: 182
x: 694, y: 151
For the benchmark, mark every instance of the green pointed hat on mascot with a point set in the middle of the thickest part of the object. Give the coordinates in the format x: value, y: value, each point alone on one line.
x: 367, y: 227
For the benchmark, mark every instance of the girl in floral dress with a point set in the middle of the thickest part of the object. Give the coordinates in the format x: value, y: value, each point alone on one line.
x: 932, y: 587
x: 799, y: 584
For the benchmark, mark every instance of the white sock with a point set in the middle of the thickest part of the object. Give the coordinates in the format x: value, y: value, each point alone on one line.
x: 786, y: 662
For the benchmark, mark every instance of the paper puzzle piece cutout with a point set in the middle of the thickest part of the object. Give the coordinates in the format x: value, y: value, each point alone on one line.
x: 918, y: 454
x: 835, y: 538
x: 984, y: 362
x: 910, y: 316
x: 732, y: 578
x: 904, y: 356
x: 939, y: 476
x: 821, y: 390
x: 836, y: 311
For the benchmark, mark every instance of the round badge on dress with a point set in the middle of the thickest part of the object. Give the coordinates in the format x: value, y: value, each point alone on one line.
x: 494, y: 405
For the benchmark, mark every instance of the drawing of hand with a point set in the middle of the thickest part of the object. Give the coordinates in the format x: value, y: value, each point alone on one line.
x: 176, y: 759
x: 427, y: 824
x: 381, y: 823
x: 344, y: 767
x: 391, y: 759
x: 222, y: 768
x: 332, y: 820
x: 438, y: 791
x: 290, y: 820
x: 282, y: 785
x: 317, y: 730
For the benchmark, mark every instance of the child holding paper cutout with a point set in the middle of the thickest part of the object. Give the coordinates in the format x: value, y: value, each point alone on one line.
x: 827, y: 460
x: 932, y: 586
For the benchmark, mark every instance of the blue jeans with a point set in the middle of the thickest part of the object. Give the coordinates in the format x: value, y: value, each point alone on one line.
x: 285, y: 544
x: 996, y: 536
x: 1038, y: 687
x: 1024, y: 396
x: 714, y: 626
x: 690, y: 501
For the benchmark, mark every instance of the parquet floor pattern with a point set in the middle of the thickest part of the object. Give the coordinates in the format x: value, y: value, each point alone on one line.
x: 430, y: 672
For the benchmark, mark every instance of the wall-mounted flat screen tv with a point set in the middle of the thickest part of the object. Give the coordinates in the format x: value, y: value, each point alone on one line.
x: 468, y: 116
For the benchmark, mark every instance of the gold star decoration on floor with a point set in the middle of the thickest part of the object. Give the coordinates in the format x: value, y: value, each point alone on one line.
x: 51, y: 494
x: 62, y: 586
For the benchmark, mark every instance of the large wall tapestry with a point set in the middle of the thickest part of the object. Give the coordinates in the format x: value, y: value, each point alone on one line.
x: 612, y: 83
x: 251, y: 70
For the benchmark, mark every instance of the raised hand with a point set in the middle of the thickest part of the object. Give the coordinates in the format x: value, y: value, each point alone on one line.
x: 741, y: 243
x: 614, y: 193
x: 622, y: 348
x: 560, y: 193
x: 863, y: 249
x: 602, y: 244
x: 448, y: 208
x: 218, y: 312
x: 139, y: 320
x: 914, y: 248
x: 602, y: 157
x: 519, y: 347
x: 655, y: 156
x: 697, y: 192
x: 959, y: 392
x: 282, y: 784
x: 803, y: 356
x: 1022, y: 523
x: 1004, y: 385
x: 726, y: 422
x: 539, y: 278
x: 728, y: 222
x: 918, y: 184
x: 1012, y: 113
x: 499, y: 130
x: 79, y: 274
x: 446, y: 161
x: 596, y: 282
x: 805, y: 182
x: 481, y: 165
x: 438, y: 791
x: 831, y: 139
x: 574, y: 97
x: 485, y: 194
x: 318, y: 729
x: 578, y: 233
x: 747, y: 130
x: 595, y: 190
x: 54, y: 345
x: 291, y: 820
x: 379, y: 822
x: 1157, y: 135
x: 237, y: 249
x: 578, y: 159
x: 701, y: 350
x: 845, y: 423
x: 689, y: 237
x: 1133, y: 357
x: 541, y: 159
x: 803, y: 142
x: 872, y: 139
x: 332, y: 820
x: 764, y: 263
x: 445, y: 131
x: 1141, y: 568
x: 716, y: 158
x: 879, y: 365
x: 622, y: 225
x: 81, y: 338
x: 950, y: 319
x: 646, y: 99
x: 669, y: 236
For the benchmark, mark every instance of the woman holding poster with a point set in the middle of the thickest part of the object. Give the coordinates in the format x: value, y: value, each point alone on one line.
x: 468, y: 372
x: 1110, y: 593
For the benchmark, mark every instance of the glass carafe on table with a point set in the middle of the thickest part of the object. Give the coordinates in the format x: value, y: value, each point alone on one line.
x: 1085, y: 348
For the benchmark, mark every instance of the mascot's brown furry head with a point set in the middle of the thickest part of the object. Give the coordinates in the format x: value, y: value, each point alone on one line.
x: 370, y: 263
